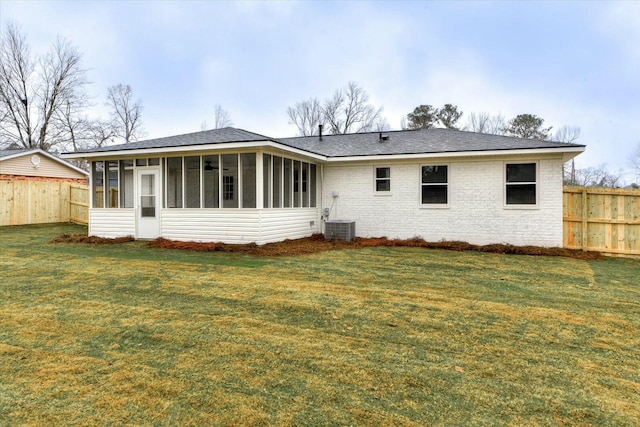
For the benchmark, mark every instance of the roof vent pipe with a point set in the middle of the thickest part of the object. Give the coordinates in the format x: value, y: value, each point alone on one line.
x: 320, y: 132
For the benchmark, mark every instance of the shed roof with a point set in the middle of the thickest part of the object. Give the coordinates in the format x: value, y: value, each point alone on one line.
x: 8, y: 153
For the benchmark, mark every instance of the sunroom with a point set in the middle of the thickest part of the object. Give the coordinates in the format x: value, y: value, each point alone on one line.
x: 215, y: 195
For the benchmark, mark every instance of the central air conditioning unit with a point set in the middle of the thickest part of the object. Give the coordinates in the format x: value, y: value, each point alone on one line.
x: 342, y: 229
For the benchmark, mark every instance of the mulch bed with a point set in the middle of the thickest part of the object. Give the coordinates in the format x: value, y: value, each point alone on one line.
x: 83, y: 238
x: 317, y: 243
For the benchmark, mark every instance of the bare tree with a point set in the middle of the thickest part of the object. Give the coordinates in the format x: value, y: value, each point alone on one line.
x: 221, y: 119
x: 306, y: 116
x: 349, y: 111
x: 403, y: 123
x: 593, y: 177
x: 634, y: 161
x: 125, y: 113
x: 486, y: 123
x: 567, y: 134
x: 84, y: 132
x: 381, y: 125
x: 35, y: 89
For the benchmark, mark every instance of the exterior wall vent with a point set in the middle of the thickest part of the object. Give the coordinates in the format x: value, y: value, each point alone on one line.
x: 341, y: 229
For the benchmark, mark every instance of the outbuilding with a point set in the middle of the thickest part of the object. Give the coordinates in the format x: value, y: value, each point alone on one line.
x: 38, y: 165
x: 35, y: 187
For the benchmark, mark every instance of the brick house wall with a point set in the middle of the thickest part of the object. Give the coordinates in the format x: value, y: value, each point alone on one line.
x: 476, y: 212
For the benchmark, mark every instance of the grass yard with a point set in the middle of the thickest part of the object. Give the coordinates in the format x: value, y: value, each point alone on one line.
x: 128, y: 334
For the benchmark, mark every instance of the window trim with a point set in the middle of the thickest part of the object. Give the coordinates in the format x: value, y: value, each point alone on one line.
x: 505, y: 184
x: 422, y: 184
x: 377, y: 192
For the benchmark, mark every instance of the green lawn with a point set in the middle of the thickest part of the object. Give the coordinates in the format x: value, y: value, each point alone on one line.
x: 127, y: 334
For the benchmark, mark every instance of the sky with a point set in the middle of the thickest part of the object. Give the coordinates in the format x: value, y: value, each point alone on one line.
x: 571, y: 63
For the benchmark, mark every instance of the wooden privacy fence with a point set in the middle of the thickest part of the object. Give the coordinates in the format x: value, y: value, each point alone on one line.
x: 36, y: 202
x: 79, y: 204
x: 602, y: 219
x: 595, y: 219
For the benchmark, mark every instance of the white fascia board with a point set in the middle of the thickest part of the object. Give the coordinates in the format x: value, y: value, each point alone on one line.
x: 161, y: 151
x: 536, y: 151
x: 41, y: 152
x: 297, y: 151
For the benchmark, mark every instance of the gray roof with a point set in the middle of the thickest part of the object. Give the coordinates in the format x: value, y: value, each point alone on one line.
x: 217, y: 136
x: 422, y: 141
x: 7, y: 153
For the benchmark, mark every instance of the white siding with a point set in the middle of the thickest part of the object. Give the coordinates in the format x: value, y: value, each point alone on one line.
x: 238, y: 225
x: 281, y: 224
x: 476, y: 212
x: 112, y: 222
x: 211, y: 225
x: 22, y: 165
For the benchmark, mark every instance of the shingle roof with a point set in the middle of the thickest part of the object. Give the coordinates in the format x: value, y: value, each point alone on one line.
x: 7, y: 153
x: 422, y: 141
x: 217, y: 136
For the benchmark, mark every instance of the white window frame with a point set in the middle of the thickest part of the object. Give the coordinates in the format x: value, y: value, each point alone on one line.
x: 375, y: 181
x: 421, y: 184
x: 535, y: 205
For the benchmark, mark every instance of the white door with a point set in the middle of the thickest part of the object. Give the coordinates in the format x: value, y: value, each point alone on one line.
x: 148, y: 204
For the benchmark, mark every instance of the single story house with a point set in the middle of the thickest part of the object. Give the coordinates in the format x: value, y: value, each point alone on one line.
x: 37, y: 165
x: 234, y: 186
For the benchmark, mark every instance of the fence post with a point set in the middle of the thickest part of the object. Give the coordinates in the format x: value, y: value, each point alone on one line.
x: 585, y: 220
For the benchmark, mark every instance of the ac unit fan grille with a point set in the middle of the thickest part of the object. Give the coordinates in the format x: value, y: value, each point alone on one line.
x: 340, y: 229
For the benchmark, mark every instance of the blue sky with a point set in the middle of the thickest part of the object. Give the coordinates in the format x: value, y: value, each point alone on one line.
x: 571, y: 63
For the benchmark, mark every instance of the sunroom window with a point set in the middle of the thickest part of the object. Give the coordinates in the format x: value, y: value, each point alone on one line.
x: 192, y: 181
x: 230, y: 180
x: 174, y: 182
x: 97, y: 175
x: 126, y: 183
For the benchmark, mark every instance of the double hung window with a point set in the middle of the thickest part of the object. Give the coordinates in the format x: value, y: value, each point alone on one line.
x: 383, y: 179
x: 521, y: 184
x: 435, y: 185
